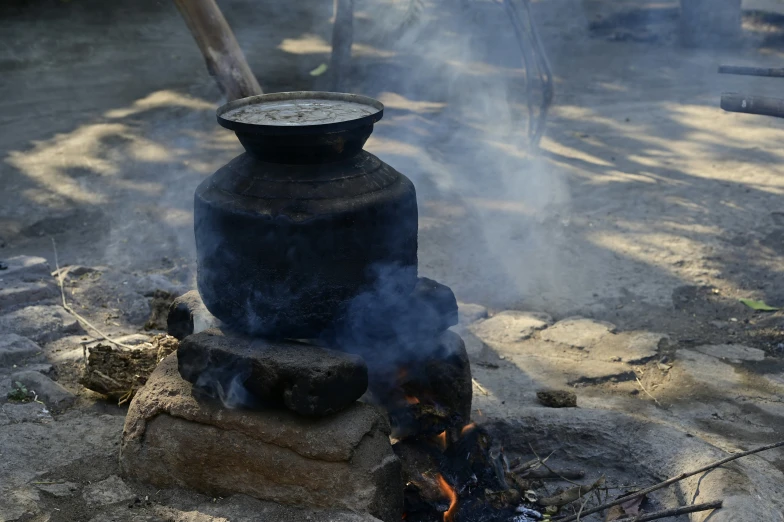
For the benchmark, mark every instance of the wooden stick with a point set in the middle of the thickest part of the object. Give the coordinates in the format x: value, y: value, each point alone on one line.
x: 342, y: 40
x: 676, y: 511
x: 219, y: 47
x: 762, y: 105
x: 771, y: 72
x: 673, y: 480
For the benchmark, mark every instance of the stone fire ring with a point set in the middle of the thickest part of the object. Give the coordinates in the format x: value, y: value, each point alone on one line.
x: 627, y: 449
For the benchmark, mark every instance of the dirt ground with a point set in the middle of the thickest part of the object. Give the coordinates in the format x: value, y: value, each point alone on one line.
x: 648, y: 206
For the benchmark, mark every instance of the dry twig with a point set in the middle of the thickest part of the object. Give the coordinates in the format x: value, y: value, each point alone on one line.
x: 72, y: 311
x: 673, y: 480
x: 707, y: 506
x: 646, y: 391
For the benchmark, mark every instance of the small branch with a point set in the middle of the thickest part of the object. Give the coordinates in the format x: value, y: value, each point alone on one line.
x: 342, y: 40
x: 646, y: 391
x: 72, y: 311
x: 673, y: 480
x: 480, y: 387
x: 770, y: 72
x: 695, y: 508
x: 760, y: 105
x: 548, y: 474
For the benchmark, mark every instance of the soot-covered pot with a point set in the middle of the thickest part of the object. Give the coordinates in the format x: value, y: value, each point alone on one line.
x: 288, y: 233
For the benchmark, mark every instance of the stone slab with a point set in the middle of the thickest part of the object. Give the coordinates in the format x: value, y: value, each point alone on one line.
x: 25, y: 269
x: 108, y: 491
x: 631, y: 347
x: 59, y: 489
x: 54, y: 395
x: 468, y: 313
x: 14, y: 349
x: 734, y: 353
x: 577, y: 332
x: 342, y: 461
x: 41, y: 323
x: 304, y: 378
x: 510, y: 326
x: 188, y: 315
x: 707, y: 370
x: 26, y: 281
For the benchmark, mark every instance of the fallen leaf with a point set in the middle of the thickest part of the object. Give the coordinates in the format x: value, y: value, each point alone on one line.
x: 759, y: 306
x: 318, y: 71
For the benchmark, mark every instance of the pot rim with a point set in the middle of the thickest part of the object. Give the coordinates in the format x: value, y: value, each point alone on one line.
x: 315, y: 128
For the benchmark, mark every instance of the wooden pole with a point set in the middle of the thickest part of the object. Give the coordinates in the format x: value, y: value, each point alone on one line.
x: 761, y: 105
x: 342, y: 39
x: 219, y: 47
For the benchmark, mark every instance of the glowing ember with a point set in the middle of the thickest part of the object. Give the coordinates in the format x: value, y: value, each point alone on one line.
x: 441, y: 438
x: 467, y: 428
x: 446, y: 489
x: 412, y: 400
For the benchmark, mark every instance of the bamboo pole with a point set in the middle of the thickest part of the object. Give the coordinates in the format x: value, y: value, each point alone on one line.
x: 225, y: 60
x: 342, y: 39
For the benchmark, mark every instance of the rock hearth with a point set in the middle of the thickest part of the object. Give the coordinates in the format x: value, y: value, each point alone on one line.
x: 344, y: 460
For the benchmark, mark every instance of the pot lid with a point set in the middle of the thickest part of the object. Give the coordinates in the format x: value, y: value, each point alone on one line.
x: 300, y: 112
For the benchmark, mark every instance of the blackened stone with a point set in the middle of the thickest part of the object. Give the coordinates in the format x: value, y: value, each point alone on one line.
x: 429, y: 395
x: 254, y: 373
x: 188, y: 315
x: 385, y: 316
x: 557, y: 398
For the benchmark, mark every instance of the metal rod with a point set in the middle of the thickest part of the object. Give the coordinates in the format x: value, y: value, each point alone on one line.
x: 762, y: 105
x: 752, y: 71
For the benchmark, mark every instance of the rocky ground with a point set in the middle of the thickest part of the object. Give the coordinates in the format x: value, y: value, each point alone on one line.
x: 649, y: 213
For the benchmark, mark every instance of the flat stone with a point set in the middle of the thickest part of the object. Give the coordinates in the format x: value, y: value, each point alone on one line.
x: 188, y: 315
x: 468, y: 313
x: 20, y: 295
x: 557, y: 398
x: 174, y: 439
x: 107, y: 491
x: 631, y: 347
x: 49, y: 392
x: 16, y: 413
x: 59, y: 489
x: 735, y: 353
x: 510, y: 326
x: 708, y: 370
x: 26, y: 281
x: 41, y: 323
x: 577, y: 332
x: 14, y: 349
x: 25, y: 269
x: 304, y: 378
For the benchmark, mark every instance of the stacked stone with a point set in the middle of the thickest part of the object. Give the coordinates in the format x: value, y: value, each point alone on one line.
x: 282, y: 420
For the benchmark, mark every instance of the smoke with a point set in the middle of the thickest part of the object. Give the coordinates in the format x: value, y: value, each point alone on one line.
x: 456, y: 125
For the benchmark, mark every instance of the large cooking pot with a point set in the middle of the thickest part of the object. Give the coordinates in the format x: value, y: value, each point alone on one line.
x: 288, y: 233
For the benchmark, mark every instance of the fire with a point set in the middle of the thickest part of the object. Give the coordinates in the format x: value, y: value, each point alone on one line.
x: 467, y: 428
x: 412, y: 400
x: 446, y: 489
x: 441, y: 438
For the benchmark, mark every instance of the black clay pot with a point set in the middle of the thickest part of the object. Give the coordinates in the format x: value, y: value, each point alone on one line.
x: 290, y: 232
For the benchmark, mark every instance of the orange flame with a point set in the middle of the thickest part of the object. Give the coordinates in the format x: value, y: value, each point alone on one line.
x: 446, y: 489
x: 467, y: 428
x: 412, y: 400
x: 441, y: 438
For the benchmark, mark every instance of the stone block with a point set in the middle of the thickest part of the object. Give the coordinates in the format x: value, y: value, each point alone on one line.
x: 304, y: 378
x: 188, y: 315
x: 342, y: 461
x: 49, y: 392
x: 41, y: 323
x: 468, y: 313
x: 14, y: 349
x: 510, y: 326
x: 108, y: 491
x: 577, y: 332
x: 734, y: 353
x: 26, y: 281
